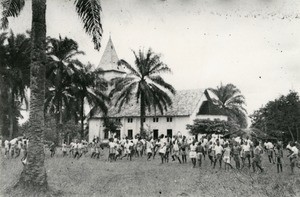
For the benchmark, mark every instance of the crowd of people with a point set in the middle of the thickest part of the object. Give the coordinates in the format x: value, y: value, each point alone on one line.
x: 243, y: 151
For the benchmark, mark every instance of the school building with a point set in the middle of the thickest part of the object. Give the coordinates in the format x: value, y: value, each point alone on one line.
x: 187, y: 106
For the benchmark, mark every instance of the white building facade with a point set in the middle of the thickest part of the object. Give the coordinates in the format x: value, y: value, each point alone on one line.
x: 186, y: 107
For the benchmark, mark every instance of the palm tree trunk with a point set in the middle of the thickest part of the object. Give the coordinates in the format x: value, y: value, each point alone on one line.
x: 59, y: 122
x: 4, y: 109
x: 142, y: 114
x: 11, y: 114
x: 297, y: 130
x: 82, y: 116
x: 291, y: 133
x: 34, y: 176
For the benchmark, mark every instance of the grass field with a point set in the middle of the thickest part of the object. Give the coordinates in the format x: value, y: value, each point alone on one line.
x: 92, y: 177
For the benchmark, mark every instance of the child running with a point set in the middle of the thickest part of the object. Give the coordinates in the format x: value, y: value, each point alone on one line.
x: 226, y: 157
x: 257, y: 157
x: 236, y: 154
x: 200, y: 153
x: 218, y: 154
x: 149, y: 149
x: 175, y: 150
x: 278, y: 156
x: 112, y: 150
x: 293, y: 156
x: 193, y: 154
x: 183, y: 150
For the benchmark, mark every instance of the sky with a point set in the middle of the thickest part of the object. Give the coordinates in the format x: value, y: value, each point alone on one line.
x: 254, y: 45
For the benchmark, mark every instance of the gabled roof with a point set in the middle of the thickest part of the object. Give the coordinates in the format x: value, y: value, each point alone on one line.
x: 184, y: 104
x: 109, y: 59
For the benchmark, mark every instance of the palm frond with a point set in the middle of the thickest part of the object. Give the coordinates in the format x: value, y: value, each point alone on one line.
x: 90, y: 14
x: 11, y: 8
x: 160, y: 81
x: 129, y: 67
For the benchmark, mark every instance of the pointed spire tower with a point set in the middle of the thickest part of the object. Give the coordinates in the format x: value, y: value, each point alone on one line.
x: 109, y: 62
x: 109, y: 59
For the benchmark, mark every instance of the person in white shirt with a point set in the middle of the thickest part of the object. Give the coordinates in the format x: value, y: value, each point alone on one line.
x: 13, y: 146
x: 162, y: 149
x: 18, y: 148
x: 76, y: 150
x: 218, y: 154
x: 149, y: 149
x: 193, y: 154
x: 245, y: 154
x: 72, y: 149
x: 175, y: 150
x: 127, y: 150
x: 6, y: 147
x: 205, y: 146
x: 293, y: 156
x: 118, y: 149
x: 112, y: 150
x: 270, y: 150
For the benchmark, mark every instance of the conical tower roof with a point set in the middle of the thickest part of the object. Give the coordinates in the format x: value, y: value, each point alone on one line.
x: 109, y: 60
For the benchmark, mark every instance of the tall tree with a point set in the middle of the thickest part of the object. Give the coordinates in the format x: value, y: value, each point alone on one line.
x: 280, y: 117
x: 14, y: 72
x: 145, y: 83
x: 34, y: 174
x: 230, y: 102
x: 61, y: 67
x: 90, y: 88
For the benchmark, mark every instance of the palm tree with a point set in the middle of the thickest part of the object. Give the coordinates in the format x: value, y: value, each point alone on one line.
x: 34, y: 173
x: 145, y: 83
x: 230, y: 102
x: 60, y: 68
x: 90, y: 86
x: 14, y: 71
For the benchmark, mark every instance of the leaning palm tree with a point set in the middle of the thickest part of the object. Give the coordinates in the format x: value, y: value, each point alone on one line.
x: 34, y: 173
x: 230, y: 102
x: 145, y: 84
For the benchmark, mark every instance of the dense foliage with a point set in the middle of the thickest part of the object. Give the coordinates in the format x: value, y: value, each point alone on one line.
x: 111, y: 125
x: 71, y: 86
x: 280, y: 117
x: 206, y: 126
x: 14, y: 80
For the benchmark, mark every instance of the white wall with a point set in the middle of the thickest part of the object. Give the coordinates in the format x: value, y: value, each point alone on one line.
x: 95, y: 127
x: 212, y: 117
x: 178, y: 124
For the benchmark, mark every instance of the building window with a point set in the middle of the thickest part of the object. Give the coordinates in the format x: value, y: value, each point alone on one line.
x: 169, y: 133
x: 155, y: 134
x: 129, y: 120
x: 118, y: 120
x: 129, y: 134
x: 155, y: 119
x: 106, y: 134
x: 118, y: 134
x: 169, y: 119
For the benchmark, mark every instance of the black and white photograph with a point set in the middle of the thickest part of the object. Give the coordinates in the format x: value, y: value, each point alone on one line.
x: 146, y: 98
